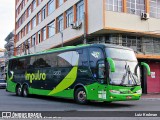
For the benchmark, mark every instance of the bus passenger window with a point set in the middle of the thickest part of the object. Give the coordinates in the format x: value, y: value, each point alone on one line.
x: 41, y: 62
x: 83, y: 57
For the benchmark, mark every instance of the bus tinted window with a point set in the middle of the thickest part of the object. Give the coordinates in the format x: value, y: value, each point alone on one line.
x: 19, y: 64
x: 52, y: 59
x: 13, y: 64
x: 41, y: 61
x: 32, y: 63
x: 95, y: 54
x: 83, y: 57
x: 63, y: 63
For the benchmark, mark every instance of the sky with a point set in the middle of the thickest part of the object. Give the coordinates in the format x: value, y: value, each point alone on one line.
x: 7, y: 19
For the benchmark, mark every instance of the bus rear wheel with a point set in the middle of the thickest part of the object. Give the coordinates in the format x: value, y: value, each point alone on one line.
x: 18, y: 90
x: 80, y: 96
x: 25, y: 92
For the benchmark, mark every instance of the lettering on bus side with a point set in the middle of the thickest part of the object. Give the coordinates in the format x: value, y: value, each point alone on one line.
x: 35, y: 76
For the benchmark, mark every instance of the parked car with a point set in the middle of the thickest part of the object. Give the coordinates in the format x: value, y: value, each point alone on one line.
x: 3, y: 83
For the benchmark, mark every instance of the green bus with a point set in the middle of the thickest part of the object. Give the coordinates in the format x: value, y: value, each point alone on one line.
x: 91, y: 72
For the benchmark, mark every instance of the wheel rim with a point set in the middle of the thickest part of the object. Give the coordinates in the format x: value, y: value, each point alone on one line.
x: 82, y: 96
x: 25, y: 92
x: 19, y: 91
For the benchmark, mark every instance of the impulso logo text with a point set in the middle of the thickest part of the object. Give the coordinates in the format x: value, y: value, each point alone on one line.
x: 35, y: 76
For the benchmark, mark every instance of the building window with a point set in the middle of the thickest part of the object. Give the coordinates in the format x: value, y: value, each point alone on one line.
x: 39, y: 17
x: 69, y: 17
x: 80, y: 10
x: 60, y: 23
x: 34, y: 40
x: 39, y: 2
x: 26, y: 1
x: 19, y: 22
x: 51, y: 29
x: 23, y: 3
x: 155, y: 8
x: 135, y: 6
x: 44, y: 33
x: 22, y: 32
x: 34, y: 22
x: 25, y: 15
x: 29, y: 10
x: 19, y: 35
x: 51, y: 6
x: 132, y: 42
x: 16, y: 13
x: 18, y: 49
x: 23, y: 18
x: 44, y: 13
x: 39, y: 36
x: 26, y: 29
x: 29, y: 27
x: 60, y: 2
x: 29, y: 42
x: 114, y: 5
x: 151, y: 45
x: 34, y: 4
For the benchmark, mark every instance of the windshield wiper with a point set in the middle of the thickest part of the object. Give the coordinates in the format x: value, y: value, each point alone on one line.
x: 130, y: 75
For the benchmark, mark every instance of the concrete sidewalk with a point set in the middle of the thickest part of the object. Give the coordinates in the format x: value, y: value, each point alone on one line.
x: 151, y: 95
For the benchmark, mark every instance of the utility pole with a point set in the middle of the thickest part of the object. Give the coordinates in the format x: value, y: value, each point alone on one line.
x: 25, y: 49
x: 61, y: 37
x: 28, y: 47
x: 85, y: 31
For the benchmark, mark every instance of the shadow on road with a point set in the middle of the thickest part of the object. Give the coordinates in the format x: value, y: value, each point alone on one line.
x: 92, y: 103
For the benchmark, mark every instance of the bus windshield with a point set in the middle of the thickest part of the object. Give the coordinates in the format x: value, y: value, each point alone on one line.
x: 122, y: 54
x: 127, y: 70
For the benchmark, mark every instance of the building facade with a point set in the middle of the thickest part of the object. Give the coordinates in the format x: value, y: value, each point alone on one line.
x: 45, y: 24
x: 2, y: 64
x: 9, y: 46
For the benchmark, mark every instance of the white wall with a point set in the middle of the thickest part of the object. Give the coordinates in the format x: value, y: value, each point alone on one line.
x: 95, y: 15
x: 130, y: 22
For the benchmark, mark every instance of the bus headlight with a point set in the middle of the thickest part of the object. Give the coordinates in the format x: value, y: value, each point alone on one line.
x: 139, y: 91
x: 115, y: 91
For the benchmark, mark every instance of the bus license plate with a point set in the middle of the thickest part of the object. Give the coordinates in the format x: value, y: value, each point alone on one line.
x: 129, y: 97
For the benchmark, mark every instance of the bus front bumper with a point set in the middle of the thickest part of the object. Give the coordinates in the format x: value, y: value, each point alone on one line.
x: 123, y: 97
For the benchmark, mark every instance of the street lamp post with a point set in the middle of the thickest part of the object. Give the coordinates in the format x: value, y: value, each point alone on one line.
x: 61, y: 37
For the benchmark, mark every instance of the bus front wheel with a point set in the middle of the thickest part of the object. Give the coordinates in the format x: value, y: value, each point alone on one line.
x: 80, y: 96
x: 18, y: 90
x: 25, y: 91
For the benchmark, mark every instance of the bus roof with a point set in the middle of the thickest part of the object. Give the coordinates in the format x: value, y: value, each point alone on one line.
x: 117, y: 46
x: 73, y: 47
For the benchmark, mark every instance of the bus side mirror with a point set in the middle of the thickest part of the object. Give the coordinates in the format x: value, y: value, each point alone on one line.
x: 101, y: 71
x: 147, y: 67
x: 112, y: 64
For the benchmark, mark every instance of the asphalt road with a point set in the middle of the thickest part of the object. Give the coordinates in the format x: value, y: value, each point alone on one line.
x: 11, y: 102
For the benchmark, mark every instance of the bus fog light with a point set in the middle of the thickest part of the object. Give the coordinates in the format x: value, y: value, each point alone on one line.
x: 115, y: 91
x: 139, y: 91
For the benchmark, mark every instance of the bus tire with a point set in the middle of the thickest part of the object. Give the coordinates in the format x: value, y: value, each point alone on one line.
x: 18, y: 90
x: 25, y: 91
x: 80, y: 96
x: 107, y: 102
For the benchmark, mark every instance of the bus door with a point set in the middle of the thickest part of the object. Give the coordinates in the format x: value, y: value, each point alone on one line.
x: 97, y: 65
x: 84, y: 75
